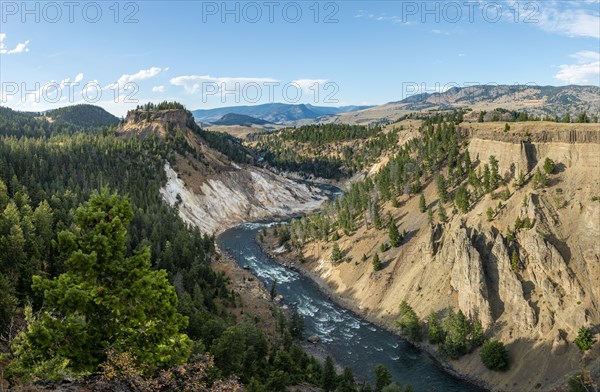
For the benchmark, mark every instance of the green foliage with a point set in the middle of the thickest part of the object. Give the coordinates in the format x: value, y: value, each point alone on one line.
x: 430, y: 216
x: 408, y: 322
x: 584, y: 340
x: 422, y: 203
x: 490, y: 214
x: 273, y: 291
x: 376, y: 262
x: 435, y: 332
x: 336, y: 253
x: 420, y: 158
x: 165, y: 105
x: 494, y: 174
x: 457, y: 331
x: 442, y: 214
x: 8, y: 302
x: 505, y: 194
x: 296, y: 324
x: 329, y: 375
x: 383, y: 377
x: 477, y: 334
x: 241, y: 350
x: 394, y: 234
x: 506, y: 127
x: 285, y: 149
x: 549, y: 166
x: 442, y: 188
x: 520, y: 181
x: 84, y: 116
x: 539, y: 179
x: 494, y: 355
x: 462, y: 199
x: 514, y: 261
x: 103, y: 300
x: 346, y: 381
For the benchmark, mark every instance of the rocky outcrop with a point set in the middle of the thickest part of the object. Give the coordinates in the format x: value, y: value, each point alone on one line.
x: 142, y: 123
x: 467, y: 276
x: 514, y: 306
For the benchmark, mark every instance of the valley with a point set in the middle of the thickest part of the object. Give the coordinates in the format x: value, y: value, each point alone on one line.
x: 443, y: 216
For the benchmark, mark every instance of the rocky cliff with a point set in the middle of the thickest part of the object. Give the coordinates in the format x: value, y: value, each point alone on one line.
x: 535, y: 303
x: 210, y: 191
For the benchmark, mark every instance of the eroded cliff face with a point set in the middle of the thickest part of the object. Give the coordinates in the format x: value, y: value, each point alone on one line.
x: 238, y: 195
x: 536, y: 305
x: 210, y: 191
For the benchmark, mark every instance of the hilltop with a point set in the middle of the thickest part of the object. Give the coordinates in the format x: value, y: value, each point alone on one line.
x: 86, y: 116
x: 240, y: 119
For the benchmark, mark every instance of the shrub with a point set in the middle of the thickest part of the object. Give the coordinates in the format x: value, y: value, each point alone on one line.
x: 549, y: 166
x: 584, y: 340
x: 409, y: 322
x: 494, y: 355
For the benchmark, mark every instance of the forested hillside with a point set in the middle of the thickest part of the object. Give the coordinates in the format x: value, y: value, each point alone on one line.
x: 78, y: 207
x: 83, y: 116
x: 331, y: 151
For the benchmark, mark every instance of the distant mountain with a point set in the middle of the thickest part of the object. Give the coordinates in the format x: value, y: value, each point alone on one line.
x: 557, y: 100
x: 536, y: 100
x: 240, y: 119
x: 86, y: 116
x: 274, y: 112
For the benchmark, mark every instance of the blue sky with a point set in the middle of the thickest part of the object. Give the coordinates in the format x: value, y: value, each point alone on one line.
x: 210, y: 54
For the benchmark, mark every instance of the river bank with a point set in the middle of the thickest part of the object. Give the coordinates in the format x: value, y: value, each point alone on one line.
x: 270, y: 247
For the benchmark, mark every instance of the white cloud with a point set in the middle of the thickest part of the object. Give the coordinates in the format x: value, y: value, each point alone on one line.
x: 585, y: 71
x: 309, y: 85
x: 158, y: 89
x: 140, y: 75
x: 382, y: 17
x: 194, y: 83
x: 575, y: 20
x: 20, y: 48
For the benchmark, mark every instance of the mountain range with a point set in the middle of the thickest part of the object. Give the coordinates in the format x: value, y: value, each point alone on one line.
x: 274, y: 112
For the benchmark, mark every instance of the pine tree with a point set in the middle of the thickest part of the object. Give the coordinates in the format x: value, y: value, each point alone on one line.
x: 487, y: 178
x: 376, y: 262
x: 539, y: 179
x: 383, y: 377
x: 409, y: 322
x: 336, y: 253
x: 442, y: 214
x: 435, y: 332
x: 461, y: 199
x: 329, y: 375
x: 494, y: 175
x: 394, y: 235
x: 430, y: 216
x: 103, y: 300
x: 442, y: 189
x: 422, y: 203
x: 273, y: 291
x: 490, y: 214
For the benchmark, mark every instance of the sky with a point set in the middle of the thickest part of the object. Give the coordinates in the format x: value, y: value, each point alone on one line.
x: 209, y: 54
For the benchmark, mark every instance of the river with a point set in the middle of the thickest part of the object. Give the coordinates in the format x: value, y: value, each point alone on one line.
x: 351, y: 341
